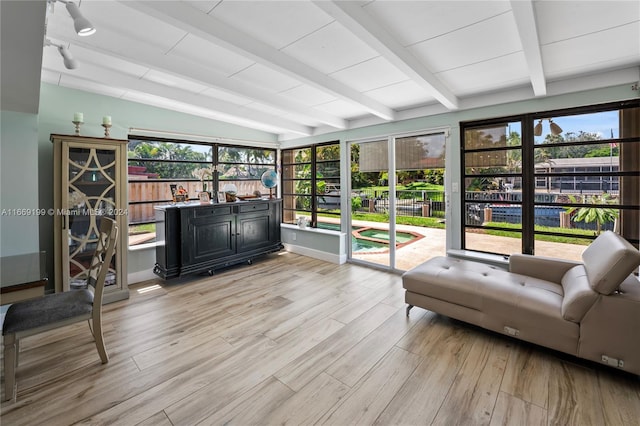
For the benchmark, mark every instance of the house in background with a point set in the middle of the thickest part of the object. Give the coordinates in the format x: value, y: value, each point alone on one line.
x: 292, y: 74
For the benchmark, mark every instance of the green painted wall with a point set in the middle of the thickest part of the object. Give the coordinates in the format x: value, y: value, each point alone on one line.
x: 57, y: 106
x: 19, y: 182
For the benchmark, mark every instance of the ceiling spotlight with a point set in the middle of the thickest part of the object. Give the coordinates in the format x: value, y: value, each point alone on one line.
x: 81, y: 24
x: 67, y: 58
x: 553, y: 128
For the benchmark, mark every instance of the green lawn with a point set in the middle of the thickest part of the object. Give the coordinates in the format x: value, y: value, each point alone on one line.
x: 552, y: 238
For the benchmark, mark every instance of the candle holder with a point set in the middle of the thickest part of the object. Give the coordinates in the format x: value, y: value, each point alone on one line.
x: 77, y: 124
x: 106, y: 129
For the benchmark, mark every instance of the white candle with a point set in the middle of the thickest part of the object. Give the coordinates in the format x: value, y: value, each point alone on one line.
x: 106, y: 119
x: 78, y: 116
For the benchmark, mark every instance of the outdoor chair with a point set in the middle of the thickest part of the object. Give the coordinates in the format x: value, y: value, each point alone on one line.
x: 56, y: 310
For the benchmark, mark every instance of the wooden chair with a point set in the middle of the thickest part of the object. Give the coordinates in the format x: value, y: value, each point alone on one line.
x: 60, y: 309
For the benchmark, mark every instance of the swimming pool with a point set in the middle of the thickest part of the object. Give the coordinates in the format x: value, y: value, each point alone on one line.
x: 368, y: 239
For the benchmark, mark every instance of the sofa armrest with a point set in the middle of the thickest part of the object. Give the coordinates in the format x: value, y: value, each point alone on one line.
x: 544, y: 268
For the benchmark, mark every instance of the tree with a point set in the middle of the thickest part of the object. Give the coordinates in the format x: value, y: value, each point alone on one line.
x: 588, y: 214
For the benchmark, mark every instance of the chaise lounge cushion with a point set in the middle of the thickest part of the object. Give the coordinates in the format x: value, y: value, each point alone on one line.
x: 609, y: 260
x: 579, y: 297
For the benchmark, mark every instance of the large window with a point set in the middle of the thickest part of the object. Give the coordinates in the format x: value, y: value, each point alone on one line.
x: 156, y: 164
x: 311, y: 183
x: 549, y: 183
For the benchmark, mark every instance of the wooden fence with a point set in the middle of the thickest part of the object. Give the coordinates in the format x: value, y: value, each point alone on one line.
x: 152, y: 193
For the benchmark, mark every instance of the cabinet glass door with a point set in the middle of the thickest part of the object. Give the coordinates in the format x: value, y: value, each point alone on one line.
x: 90, y: 195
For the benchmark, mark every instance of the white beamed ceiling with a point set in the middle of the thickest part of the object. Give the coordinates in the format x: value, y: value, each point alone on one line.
x: 297, y: 68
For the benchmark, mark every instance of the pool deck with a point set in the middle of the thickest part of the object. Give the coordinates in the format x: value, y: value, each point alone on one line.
x: 434, y: 244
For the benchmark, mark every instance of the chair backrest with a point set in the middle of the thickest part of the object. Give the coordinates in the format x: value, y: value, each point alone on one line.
x: 99, y: 267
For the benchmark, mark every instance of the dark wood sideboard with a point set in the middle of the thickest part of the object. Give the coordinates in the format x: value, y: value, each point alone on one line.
x: 194, y: 237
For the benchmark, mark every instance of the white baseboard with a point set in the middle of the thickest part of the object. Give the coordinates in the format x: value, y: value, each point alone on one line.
x: 316, y: 254
x: 136, y: 277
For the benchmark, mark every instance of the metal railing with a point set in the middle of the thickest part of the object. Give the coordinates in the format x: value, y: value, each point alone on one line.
x: 408, y: 202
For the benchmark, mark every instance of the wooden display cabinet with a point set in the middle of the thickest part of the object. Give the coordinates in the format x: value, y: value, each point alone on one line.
x: 90, y: 182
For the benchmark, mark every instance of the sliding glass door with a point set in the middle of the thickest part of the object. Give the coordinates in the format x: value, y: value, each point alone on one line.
x: 397, y: 200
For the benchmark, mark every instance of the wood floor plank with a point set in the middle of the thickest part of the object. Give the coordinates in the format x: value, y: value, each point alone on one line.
x: 364, y: 403
x: 158, y: 419
x: 306, y: 366
x: 233, y: 377
x: 510, y: 410
x: 307, y: 406
x: 527, y: 374
x: 574, y: 395
x: 422, y: 395
x: 258, y: 341
x: 474, y: 391
x: 620, y: 394
x: 253, y: 406
x: 355, y: 363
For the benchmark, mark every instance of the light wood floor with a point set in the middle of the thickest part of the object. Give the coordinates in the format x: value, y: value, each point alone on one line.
x: 293, y: 340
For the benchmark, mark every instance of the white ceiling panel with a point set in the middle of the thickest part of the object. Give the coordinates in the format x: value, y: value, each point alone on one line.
x: 369, y: 75
x: 307, y: 95
x: 593, y: 52
x: 416, y: 21
x: 301, y: 67
x: 226, y: 96
x: 107, y: 61
x: 210, y: 55
x: 173, y: 81
x: 277, y: 23
x: 555, y: 19
x: 113, y: 17
x: 342, y: 109
x: 258, y: 106
x: 496, y: 74
x: 479, y: 42
x: 401, y: 95
x: 205, y: 6
x: 330, y: 49
x: 69, y: 80
x: 266, y: 78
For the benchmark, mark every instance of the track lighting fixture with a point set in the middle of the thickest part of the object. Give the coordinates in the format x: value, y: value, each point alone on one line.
x: 67, y: 58
x: 553, y: 128
x: 81, y: 24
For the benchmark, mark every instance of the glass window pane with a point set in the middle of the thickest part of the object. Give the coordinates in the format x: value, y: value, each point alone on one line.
x: 328, y: 152
x: 420, y: 152
x: 579, y: 127
x: 300, y: 155
x: 329, y: 169
x: 488, y: 162
x: 494, y: 136
x: 492, y: 241
x: 162, y: 170
x: 169, y: 150
x: 297, y: 171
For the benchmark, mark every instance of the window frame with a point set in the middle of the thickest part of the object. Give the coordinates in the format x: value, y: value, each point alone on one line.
x: 290, y: 215
x: 531, y: 176
x: 213, y: 183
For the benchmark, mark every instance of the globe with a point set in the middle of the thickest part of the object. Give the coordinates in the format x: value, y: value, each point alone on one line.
x: 270, y: 179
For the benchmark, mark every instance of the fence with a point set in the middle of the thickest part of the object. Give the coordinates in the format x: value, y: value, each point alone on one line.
x: 145, y: 194
x: 408, y: 202
x: 478, y: 214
